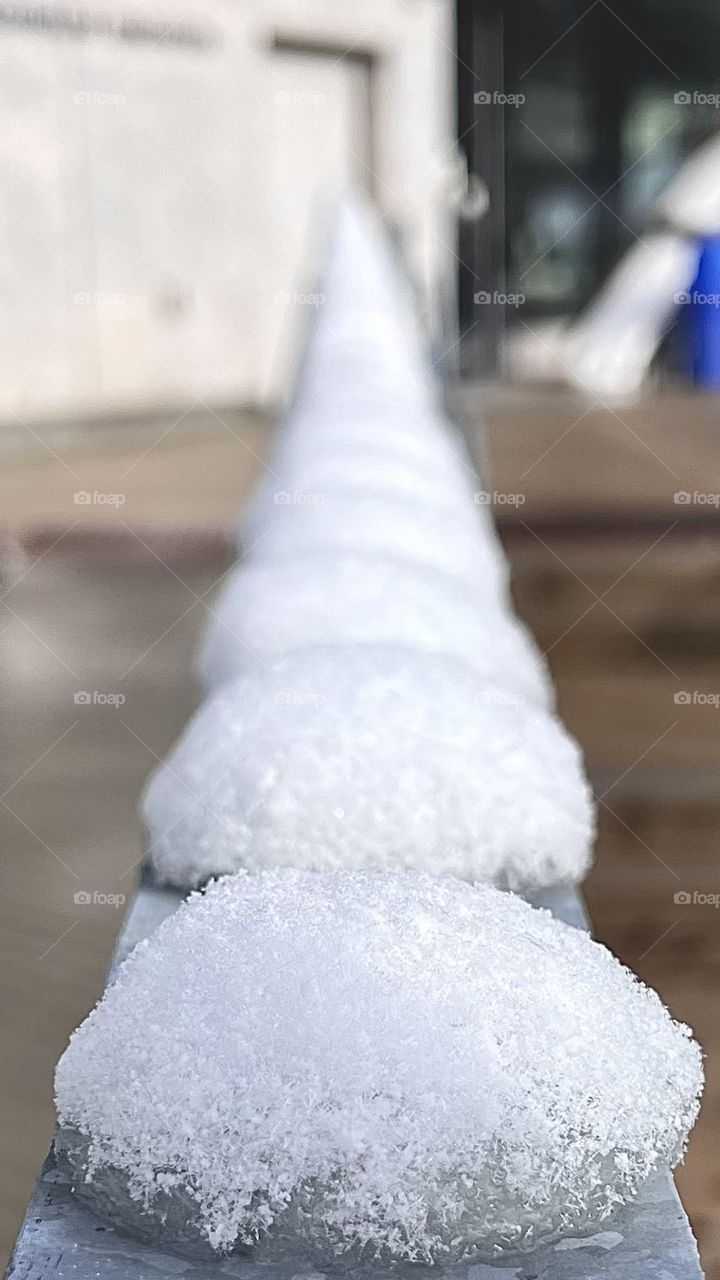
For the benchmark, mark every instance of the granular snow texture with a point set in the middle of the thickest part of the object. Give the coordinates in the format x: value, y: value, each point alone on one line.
x: 371, y: 756
x: 390, y: 1065
x: 265, y: 610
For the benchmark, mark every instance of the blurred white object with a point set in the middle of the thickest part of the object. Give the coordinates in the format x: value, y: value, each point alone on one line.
x: 461, y: 544
x: 377, y: 456
x: 536, y: 354
x: 691, y: 202
x: 366, y: 385
x: 364, y: 367
x: 266, y: 610
x: 365, y: 343
x: 608, y: 351
x: 435, y: 483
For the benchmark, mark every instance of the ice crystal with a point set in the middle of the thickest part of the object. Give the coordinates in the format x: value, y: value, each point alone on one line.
x: 390, y: 1065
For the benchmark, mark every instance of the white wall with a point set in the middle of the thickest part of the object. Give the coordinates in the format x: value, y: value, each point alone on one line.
x: 159, y: 203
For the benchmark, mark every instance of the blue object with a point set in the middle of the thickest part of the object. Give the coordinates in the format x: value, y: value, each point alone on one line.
x: 703, y: 317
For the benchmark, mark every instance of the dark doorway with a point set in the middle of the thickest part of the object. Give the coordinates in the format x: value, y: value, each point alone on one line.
x: 599, y: 105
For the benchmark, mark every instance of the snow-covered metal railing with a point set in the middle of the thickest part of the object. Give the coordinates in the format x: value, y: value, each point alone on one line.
x: 61, y: 1240
x: 418, y: 737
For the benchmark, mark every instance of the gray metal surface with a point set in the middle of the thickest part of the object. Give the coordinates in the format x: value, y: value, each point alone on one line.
x: 60, y: 1240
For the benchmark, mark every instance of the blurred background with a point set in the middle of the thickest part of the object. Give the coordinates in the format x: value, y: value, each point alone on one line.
x: 549, y: 173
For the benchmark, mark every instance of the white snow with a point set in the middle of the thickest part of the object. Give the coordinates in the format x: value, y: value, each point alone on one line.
x: 435, y: 480
x: 449, y: 541
x: 371, y: 756
x: 265, y: 610
x: 412, y: 1067
x: 366, y: 432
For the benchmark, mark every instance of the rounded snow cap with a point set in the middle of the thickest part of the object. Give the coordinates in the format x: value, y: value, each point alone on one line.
x: 371, y: 756
x: 265, y: 610
x: 392, y: 1066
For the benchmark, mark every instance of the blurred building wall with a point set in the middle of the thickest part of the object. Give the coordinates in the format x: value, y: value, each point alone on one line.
x: 163, y: 171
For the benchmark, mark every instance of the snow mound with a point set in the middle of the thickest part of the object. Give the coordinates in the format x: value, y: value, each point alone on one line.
x: 371, y: 756
x: 428, y: 443
x: 365, y: 386
x: 317, y: 478
x: 453, y: 542
x: 387, y: 1065
x: 415, y: 463
x: 365, y: 345
x: 265, y: 610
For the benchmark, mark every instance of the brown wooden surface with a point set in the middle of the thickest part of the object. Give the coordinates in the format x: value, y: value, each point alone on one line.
x: 629, y: 615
